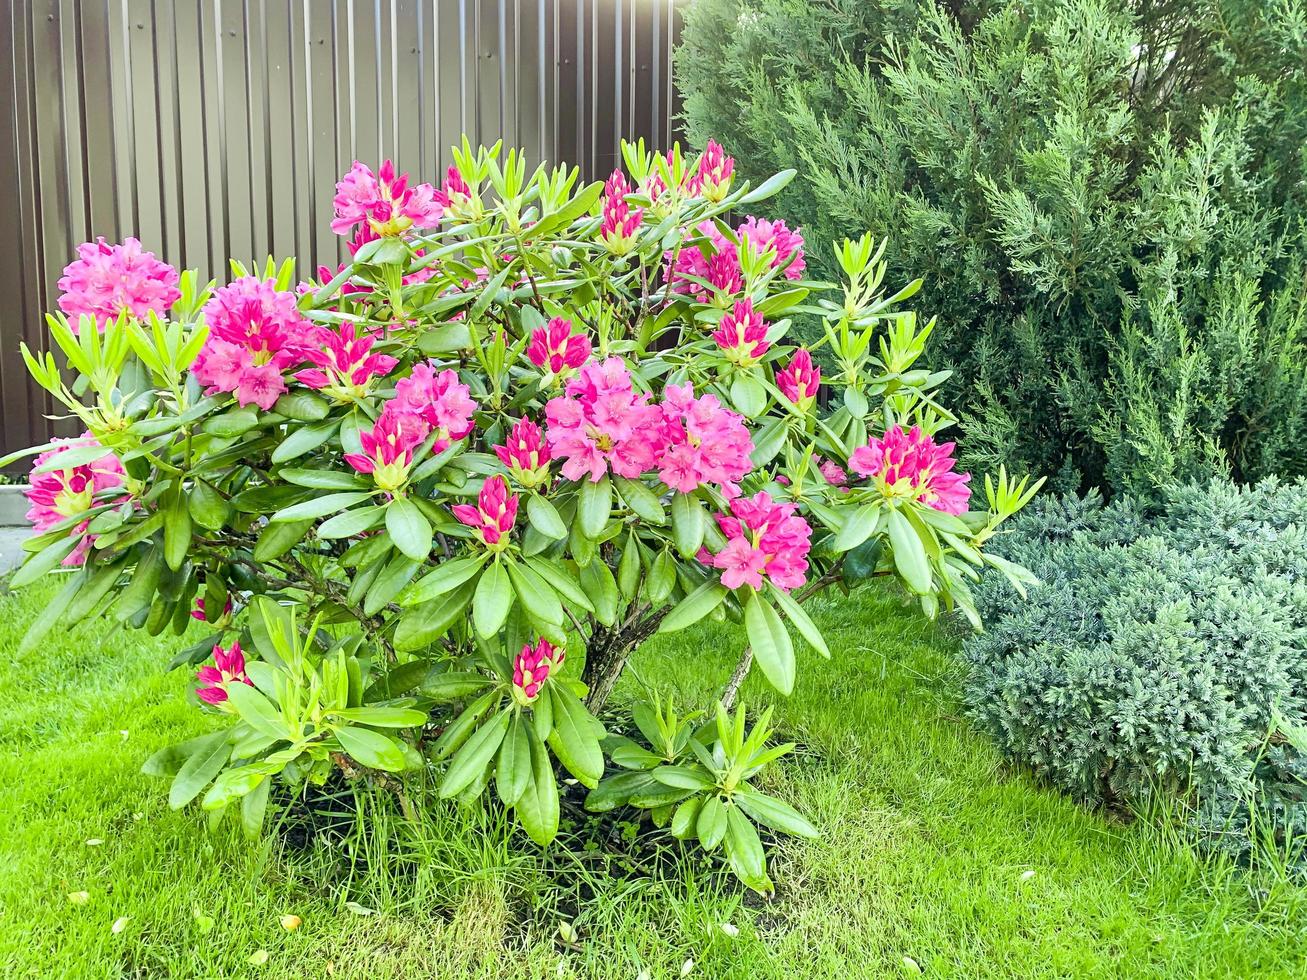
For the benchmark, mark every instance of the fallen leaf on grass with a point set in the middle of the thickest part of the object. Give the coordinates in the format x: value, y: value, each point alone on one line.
x: 79, y: 898
x: 119, y: 924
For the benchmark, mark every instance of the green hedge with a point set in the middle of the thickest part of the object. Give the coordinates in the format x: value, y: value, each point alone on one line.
x: 1113, y: 239
x: 1162, y: 659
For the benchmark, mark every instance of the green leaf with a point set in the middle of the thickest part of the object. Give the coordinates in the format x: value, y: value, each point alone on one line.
x: 682, y: 777
x: 493, y: 600
x: 304, y: 440
x: 770, y: 187
x: 206, y: 761
x: 277, y: 539
x: 321, y: 506
x: 562, y: 581
x: 537, y: 597
x: 744, y: 851
x: 573, y: 739
x: 544, y: 517
x: 642, y: 501
x: 771, y: 644
x: 257, y: 711
x: 775, y: 814
x: 448, y: 576
x: 176, y: 531
x: 302, y: 406
x: 594, y: 505
x: 858, y: 527
x: 686, y: 817
x: 352, y: 522
x: 909, y: 554
x: 513, y: 770
x: 749, y: 396
x: 693, y: 607
x: 689, y: 522
x: 321, y: 479
x: 48, y: 617
x: 470, y: 762
x: 601, y: 589
x: 422, y: 626
x: 43, y: 561
x: 452, y: 685
x: 802, y: 622
x: 371, y: 749
x: 383, y: 716
x: 408, y: 528
x: 537, y: 807
x: 711, y: 825
x: 253, y: 808
x: 208, y: 507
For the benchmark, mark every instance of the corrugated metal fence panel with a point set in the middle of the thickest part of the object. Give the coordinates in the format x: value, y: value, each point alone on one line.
x: 217, y: 128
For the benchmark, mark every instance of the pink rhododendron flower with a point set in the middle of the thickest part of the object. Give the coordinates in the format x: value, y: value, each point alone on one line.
x: 59, y: 494
x: 532, y: 667
x: 106, y: 280
x: 720, y: 266
x: 455, y: 194
x: 199, y: 613
x: 438, y: 400
x: 494, y: 514
x: 600, y: 422
x: 345, y: 367
x: 621, y: 222
x: 228, y: 668
x: 388, y: 448
x: 383, y: 201
x: 832, y: 472
x: 776, y: 235
x: 526, y: 454
x: 763, y: 538
x: 255, y: 334
x: 556, y: 349
x: 910, y: 464
x: 801, y: 380
x: 742, y: 334
x: 702, y: 442
x: 713, y: 178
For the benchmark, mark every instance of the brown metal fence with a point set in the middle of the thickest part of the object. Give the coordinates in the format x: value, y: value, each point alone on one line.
x: 216, y: 128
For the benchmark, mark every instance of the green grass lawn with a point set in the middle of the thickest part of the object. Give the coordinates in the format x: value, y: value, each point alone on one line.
x: 931, y: 850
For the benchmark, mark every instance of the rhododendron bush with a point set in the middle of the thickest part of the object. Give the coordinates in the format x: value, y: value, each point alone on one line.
x: 427, y: 503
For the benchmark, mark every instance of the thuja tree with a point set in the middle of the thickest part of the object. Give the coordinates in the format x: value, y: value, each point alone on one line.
x: 427, y: 504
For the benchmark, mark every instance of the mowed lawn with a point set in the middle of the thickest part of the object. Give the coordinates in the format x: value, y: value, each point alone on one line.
x: 934, y: 857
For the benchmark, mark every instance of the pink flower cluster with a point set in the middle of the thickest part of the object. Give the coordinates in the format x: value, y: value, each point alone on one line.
x: 345, y: 365
x: 526, y: 454
x: 494, y: 514
x: 763, y: 537
x: 255, y: 334
x: 742, y: 334
x: 712, y: 180
x: 555, y: 348
x: 228, y: 668
x: 532, y: 667
x: 105, y: 281
x: 601, y: 423
x: 720, y: 266
x: 621, y: 222
x: 59, y: 494
x: 388, y: 449
x: 427, y: 401
x: 383, y: 201
x: 801, y: 381
x: 438, y: 401
x: 702, y: 442
x: 911, y: 465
